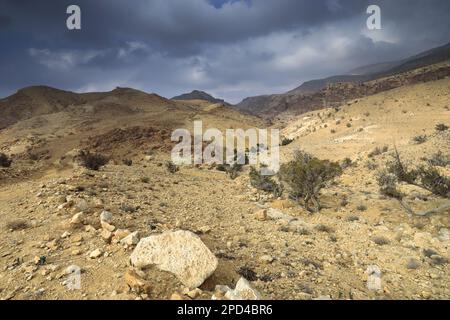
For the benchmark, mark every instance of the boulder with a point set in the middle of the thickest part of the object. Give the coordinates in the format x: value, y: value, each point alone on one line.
x: 181, y: 252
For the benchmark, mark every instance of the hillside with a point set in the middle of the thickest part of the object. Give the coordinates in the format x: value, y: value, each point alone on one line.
x: 199, y: 95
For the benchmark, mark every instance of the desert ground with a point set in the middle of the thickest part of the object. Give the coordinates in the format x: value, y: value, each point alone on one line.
x: 53, y: 210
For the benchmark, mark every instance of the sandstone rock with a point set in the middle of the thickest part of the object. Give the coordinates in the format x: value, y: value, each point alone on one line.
x: 107, y: 226
x: 106, y: 235
x: 181, y: 253
x: 136, y: 283
x: 77, y: 219
x: 261, y: 215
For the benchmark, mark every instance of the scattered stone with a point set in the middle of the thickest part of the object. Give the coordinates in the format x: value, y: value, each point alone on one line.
x: 95, y: 254
x: 107, y: 226
x: 106, y: 216
x: 106, y: 235
x: 266, y: 259
x: 193, y: 294
x: 413, y: 264
x: 77, y: 219
x: 136, y: 283
x: 243, y: 291
x: 181, y: 252
x: 261, y: 215
x: 131, y: 240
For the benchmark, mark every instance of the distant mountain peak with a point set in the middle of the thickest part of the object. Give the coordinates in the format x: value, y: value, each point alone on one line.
x: 199, y: 95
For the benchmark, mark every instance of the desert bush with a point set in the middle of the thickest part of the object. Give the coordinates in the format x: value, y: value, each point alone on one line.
x: 5, y: 161
x: 264, y: 183
x: 127, y: 162
x: 233, y: 170
x: 439, y: 160
x: 16, y: 225
x: 441, y: 127
x: 425, y: 176
x: 92, y: 161
x: 420, y: 139
x: 362, y: 207
x: 388, y: 184
x: 371, y: 165
x: 172, y: 167
x: 378, y: 151
x: 346, y: 163
x: 307, y: 175
x: 381, y: 241
x: 349, y: 125
x: 145, y: 179
x: 286, y: 141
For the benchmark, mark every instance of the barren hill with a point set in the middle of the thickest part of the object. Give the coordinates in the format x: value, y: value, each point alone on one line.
x: 199, y: 95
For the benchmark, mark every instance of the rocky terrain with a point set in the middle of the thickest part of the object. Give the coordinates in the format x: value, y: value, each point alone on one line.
x: 139, y: 229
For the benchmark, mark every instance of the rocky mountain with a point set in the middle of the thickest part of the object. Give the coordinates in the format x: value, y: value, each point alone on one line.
x: 199, y: 95
x: 300, y: 98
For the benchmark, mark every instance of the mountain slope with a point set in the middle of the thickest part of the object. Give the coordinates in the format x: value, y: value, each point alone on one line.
x: 199, y: 95
x: 309, y: 94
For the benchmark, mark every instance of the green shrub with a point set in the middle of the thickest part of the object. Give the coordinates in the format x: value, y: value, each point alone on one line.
x: 425, y: 176
x: 92, y: 161
x: 306, y: 176
x: 286, y: 141
x: 127, y: 162
x: 5, y: 161
x: 172, y: 167
x: 420, y: 139
x: 264, y: 183
x: 439, y: 160
x: 441, y: 127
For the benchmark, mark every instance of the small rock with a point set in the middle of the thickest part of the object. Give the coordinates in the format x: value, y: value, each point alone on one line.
x: 136, y: 283
x: 243, y: 291
x: 261, y: 215
x: 77, y: 219
x: 106, y: 216
x: 95, y: 254
x: 131, y: 239
x: 107, y: 226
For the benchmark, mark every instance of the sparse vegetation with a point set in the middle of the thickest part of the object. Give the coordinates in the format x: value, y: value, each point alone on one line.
x: 381, y: 241
x: 92, y: 161
x: 264, y: 183
x: 362, y: 207
x: 306, y: 176
x: 441, y: 127
x: 17, y: 225
x: 5, y: 161
x: 127, y: 162
x: 378, y: 151
x: 420, y: 139
x: 286, y: 141
x: 346, y: 163
x: 439, y: 159
x: 425, y: 176
x: 172, y: 167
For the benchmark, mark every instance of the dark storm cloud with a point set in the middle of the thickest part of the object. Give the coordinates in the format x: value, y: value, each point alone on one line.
x: 231, y: 48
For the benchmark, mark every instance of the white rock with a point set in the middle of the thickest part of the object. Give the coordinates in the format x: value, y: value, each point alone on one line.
x: 243, y: 291
x: 374, y: 278
x: 106, y: 216
x: 131, y: 239
x: 181, y: 252
x: 95, y: 254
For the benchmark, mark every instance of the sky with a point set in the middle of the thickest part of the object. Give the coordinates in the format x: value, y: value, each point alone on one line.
x: 229, y: 48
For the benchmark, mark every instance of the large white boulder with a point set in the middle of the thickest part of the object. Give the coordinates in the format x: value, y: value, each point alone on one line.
x: 181, y: 252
